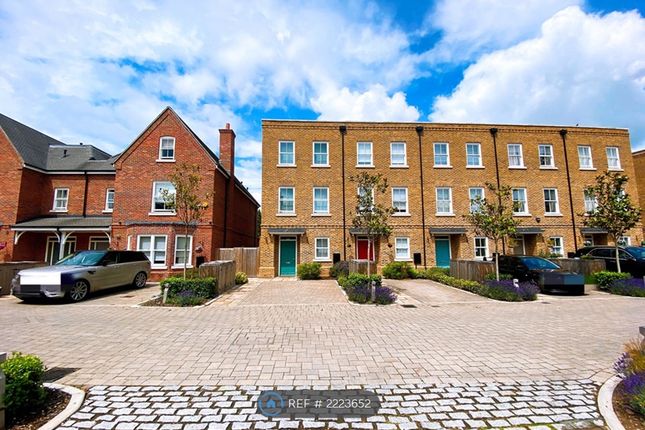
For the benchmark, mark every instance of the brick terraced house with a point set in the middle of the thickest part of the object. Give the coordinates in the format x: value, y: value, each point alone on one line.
x: 639, y: 168
x: 434, y: 171
x: 58, y: 198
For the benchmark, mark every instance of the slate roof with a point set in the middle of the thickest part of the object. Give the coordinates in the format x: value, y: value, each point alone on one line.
x: 66, y: 222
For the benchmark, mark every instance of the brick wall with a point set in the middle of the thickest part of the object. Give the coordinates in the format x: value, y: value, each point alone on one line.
x: 10, y: 173
x: 639, y: 167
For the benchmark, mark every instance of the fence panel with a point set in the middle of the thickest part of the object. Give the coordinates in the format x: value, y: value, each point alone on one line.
x: 473, y: 270
x: 583, y: 266
x: 360, y: 266
x: 9, y: 270
x: 223, y: 271
x: 246, y: 259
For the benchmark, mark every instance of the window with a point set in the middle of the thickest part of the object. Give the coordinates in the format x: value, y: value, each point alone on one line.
x: 154, y: 247
x: 591, y: 203
x: 321, y: 154
x: 322, y: 249
x: 99, y: 243
x: 551, y: 205
x: 364, y: 154
x: 515, y: 158
x: 624, y: 241
x: 109, y: 200
x: 321, y: 200
x: 361, y: 192
x: 481, y: 248
x: 519, y: 202
x: 287, y: 156
x: 286, y: 197
x: 441, y: 155
x: 183, y: 250
x: 475, y: 194
x: 400, y: 200
x: 613, y: 159
x: 556, y: 246
x: 546, y: 156
x: 163, y: 197
x: 444, y: 201
x: 167, y: 149
x: 398, y: 156
x: 402, y: 248
x: 588, y: 240
x: 473, y: 155
x: 61, y: 196
x: 584, y: 155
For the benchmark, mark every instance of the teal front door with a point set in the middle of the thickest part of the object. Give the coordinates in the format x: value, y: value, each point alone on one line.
x: 287, y: 257
x: 442, y: 251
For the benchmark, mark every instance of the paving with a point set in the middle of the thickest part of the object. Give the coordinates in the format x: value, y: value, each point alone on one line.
x: 429, y: 292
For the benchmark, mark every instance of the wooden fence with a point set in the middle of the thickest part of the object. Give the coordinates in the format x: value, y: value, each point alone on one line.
x: 223, y: 271
x: 473, y: 270
x: 9, y: 270
x: 246, y: 259
x: 583, y: 266
x: 360, y: 266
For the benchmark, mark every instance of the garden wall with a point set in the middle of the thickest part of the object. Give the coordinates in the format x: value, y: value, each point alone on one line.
x: 9, y: 270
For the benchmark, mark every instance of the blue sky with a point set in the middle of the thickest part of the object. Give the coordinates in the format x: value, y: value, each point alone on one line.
x: 98, y: 72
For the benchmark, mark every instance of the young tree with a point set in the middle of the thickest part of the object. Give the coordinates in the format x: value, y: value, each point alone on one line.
x: 185, y: 200
x: 371, y: 218
x: 614, y: 211
x: 493, y: 217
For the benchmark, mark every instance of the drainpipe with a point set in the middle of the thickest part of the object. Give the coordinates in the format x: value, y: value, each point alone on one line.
x: 493, y: 132
x: 85, y: 195
x: 419, y: 130
x: 343, y: 130
x: 563, y: 135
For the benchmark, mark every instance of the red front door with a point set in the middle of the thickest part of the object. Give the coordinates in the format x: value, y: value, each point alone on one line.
x: 361, y: 249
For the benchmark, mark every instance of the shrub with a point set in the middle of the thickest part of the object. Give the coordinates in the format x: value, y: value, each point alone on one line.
x: 628, y: 287
x: 186, y: 298
x: 506, y: 290
x: 384, y: 295
x: 241, y: 278
x: 309, y: 271
x: 605, y: 278
x: 631, y: 367
x: 182, y: 291
x: 397, y: 270
x: 502, y: 276
x: 429, y: 273
x: 24, y: 391
x: 339, y: 269
x: 358, y: 279
x: 358, y: 288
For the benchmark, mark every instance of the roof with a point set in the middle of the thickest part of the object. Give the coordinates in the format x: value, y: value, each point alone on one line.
x: 65, y: 223
x: 529, y: 230
x: 592, y: 230
x: 447, y: 230
x: 46, y: 153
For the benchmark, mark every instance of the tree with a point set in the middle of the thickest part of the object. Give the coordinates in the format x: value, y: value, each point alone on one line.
x: 185, y: 200
x: 493, y: 218
x: 371, y: 217
x: 613, y: 211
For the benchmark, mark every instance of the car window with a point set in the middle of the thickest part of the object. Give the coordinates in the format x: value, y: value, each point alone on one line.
x: 83, y: 258
x: 638, y: 252
x: 624, y: 255
x: 601, y: 252
x: 110, y: 258
x: 539, y: 263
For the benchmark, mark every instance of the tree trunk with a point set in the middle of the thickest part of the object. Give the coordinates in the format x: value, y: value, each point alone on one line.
x: 185, y: 249
x: 369, y: 272
x: 496, y: 260
x: 617, y: 255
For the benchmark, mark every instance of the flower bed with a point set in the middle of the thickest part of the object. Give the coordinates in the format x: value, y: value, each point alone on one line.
x: 631, y: 368
x: 628, y: 287
x: 358, y: 289
x: 187, y: 292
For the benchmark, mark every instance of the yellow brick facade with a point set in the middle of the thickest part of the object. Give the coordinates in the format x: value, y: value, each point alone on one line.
x: 639, y: 168
x: 303, y: 177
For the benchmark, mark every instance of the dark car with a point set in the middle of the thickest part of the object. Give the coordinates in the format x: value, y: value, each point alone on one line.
x: 632, y: 258
x: 546, y: 274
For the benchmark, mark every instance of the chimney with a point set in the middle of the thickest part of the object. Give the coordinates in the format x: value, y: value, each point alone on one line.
x: 227, y: 148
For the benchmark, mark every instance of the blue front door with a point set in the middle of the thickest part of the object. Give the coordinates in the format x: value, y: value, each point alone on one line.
x: 442, y: 251
x: 287, y: 257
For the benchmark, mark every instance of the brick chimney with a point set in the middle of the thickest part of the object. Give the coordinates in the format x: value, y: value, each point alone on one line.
x: 227, y: 148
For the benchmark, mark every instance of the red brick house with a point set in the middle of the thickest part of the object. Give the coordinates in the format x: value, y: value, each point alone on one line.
x: 59, y: 198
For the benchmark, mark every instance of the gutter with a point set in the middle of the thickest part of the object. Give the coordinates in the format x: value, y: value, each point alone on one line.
x: 343, y: 130
x: 419, y: 130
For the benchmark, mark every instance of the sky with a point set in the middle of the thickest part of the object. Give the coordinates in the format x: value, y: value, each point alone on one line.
x: 99, y: 72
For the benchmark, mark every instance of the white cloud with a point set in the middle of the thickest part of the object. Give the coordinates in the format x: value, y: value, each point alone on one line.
x: 582, y: 68
x: 371, y: 105
x: 249, y: 171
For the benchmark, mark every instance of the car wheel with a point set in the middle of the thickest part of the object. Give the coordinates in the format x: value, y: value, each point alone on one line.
x: 140, y: 280
x: 78, y: 291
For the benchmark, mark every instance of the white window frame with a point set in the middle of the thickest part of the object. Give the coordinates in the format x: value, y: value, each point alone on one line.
x: 107, y: 199
x: 625, y: 241
x: 280, y: 211
x: 550, y: 156
x: 470, y: 197
x: 521, y: 155
x: 313, y: 197
x: 63, y: 208
x: 358, y: 194
x: 163, y: 159
x: 479, y: 247
x: 53, y: 241
x: 580, y: 158
x: 407, y: 203
x: 434, y: 155
x: 436, y: 194
x: 176, y: 265
x: 327, y: 248
x: 313, y: 153
x: 589, y: 200
x: 587, y: 240
x: 618, y: 165
x: 560, y: 246
x: 557, y: 202
x: 526, y: 211
x: 405, y: 155
x: 155, y: 211
x: 396, y: 249
x: 154, y: 251
x: 358, y: 155
x: 479, y: 156
x: 293, y: 153
x: 97, y: 239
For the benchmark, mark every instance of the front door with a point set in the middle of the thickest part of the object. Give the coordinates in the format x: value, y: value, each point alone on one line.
x: 361, y: 248
x: 52, y: 251
x: 442, y: 251
x: 518, y: 245
x: 287, y: 257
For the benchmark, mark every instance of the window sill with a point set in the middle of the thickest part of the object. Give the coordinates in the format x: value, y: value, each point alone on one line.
x: 322, y: 215
x: 554, y: 214
x: 322, y: 260
x: 588, y: 168
x: 403, y: 259
x: 365, y: 166
x: 321, y: 166
x: 445, y: 214
x: 441, y: 167
x: 399, y: 166
x: 60, y: 211
x: 401, y: 214
x: 475, y: 167
x: 517, y: 167
x: 108, y: 211
x: 287, y: 215
x: 615, y: 169
x: 161, y: 160
x: 285, y: 165
x: 162, y: 213
x: 174, y: 266
x: 522, y: 215
x: 153, y: 267
x: 548, y: 168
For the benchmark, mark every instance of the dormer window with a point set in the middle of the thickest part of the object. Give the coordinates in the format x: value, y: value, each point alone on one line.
x: 167, y: 149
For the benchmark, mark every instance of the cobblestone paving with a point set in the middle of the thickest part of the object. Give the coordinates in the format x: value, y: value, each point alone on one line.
x: 554, y: 404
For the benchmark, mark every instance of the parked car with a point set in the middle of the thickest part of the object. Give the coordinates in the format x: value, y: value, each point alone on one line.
x: 546, y: 274
x: 632, y: 258
x: 81, y: 273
